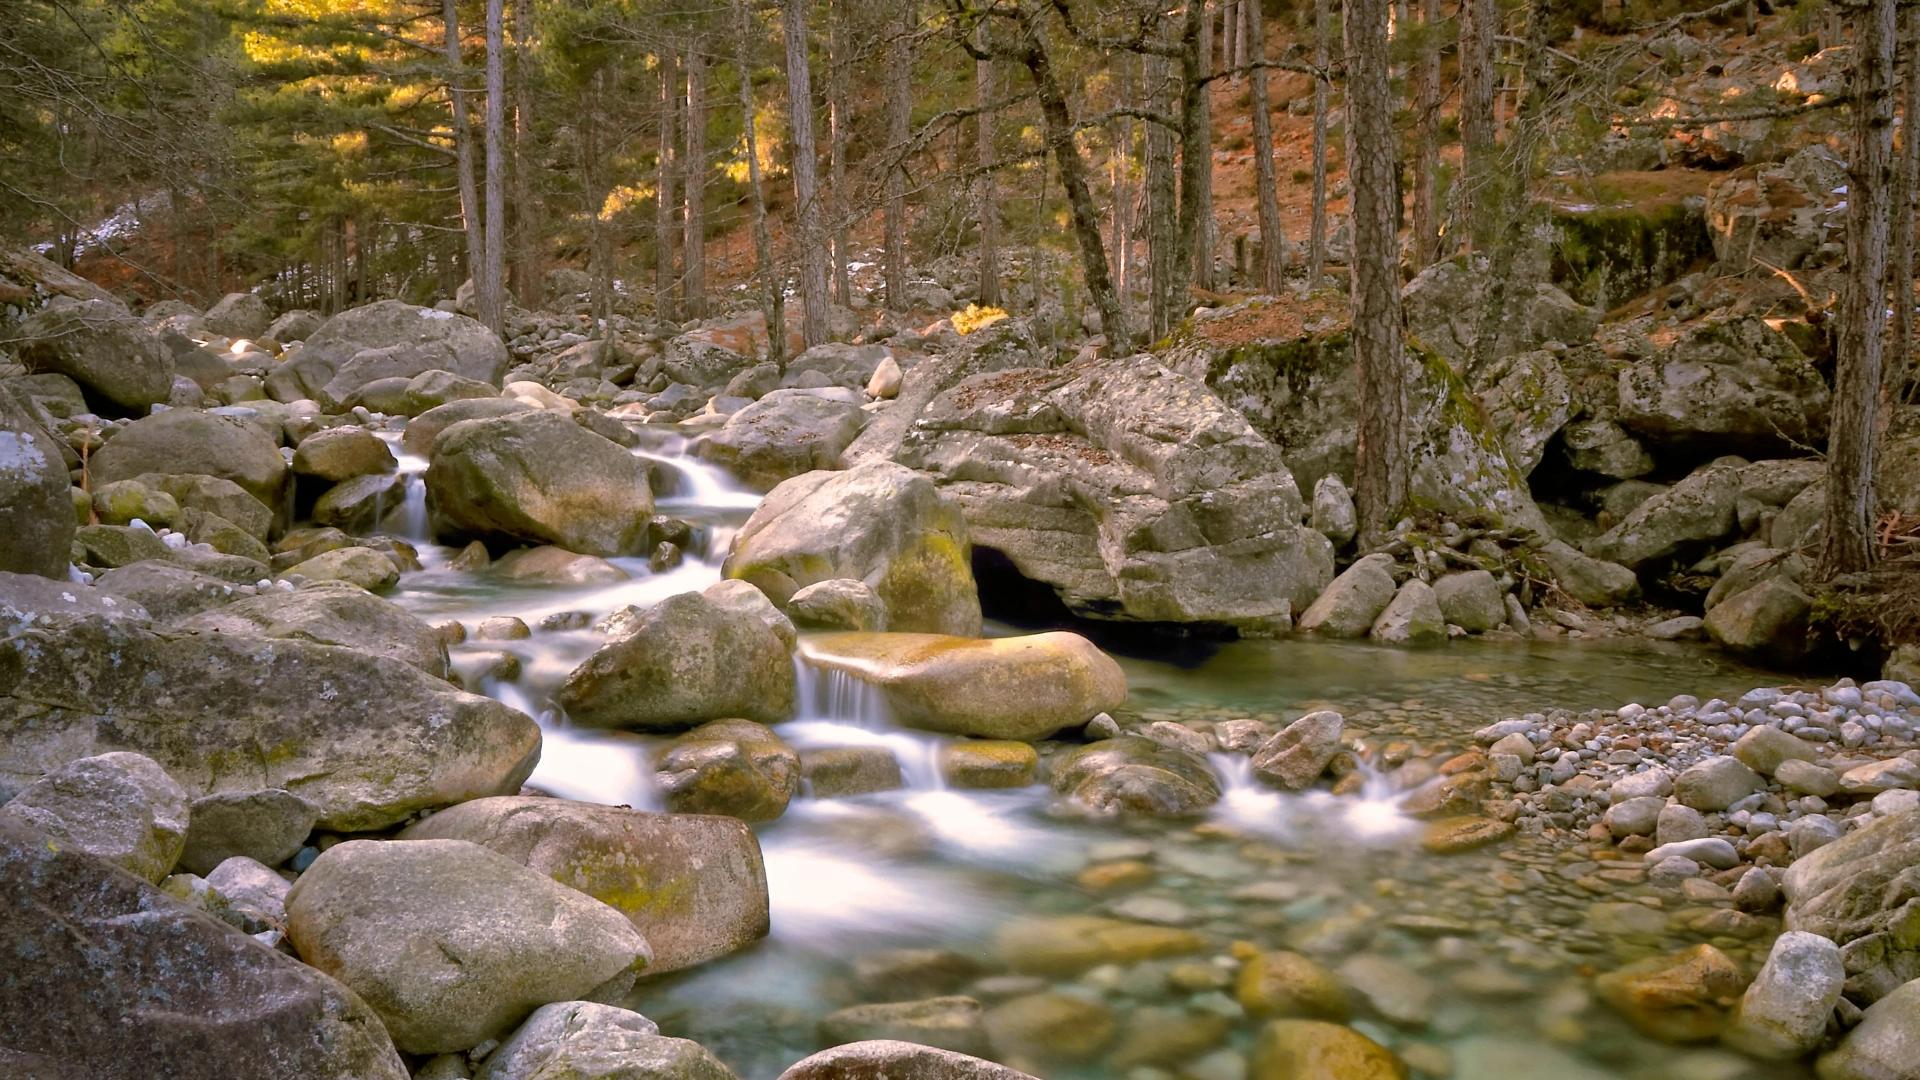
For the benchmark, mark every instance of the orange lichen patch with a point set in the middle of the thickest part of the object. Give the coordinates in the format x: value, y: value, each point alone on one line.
x: 1284, y: 319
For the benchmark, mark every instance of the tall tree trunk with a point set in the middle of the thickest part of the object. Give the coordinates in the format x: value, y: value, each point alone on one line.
x: 814, y: 317
x: 1196, y: 150
x: 1863, y: 304
x: 470, y: 211
x: 1381, y: 458
x: 840, y: 210
x: 1163, y: 233
x: 694, y: 182
x: 526, y: 209
x: 1229, y: 34
x: 1120, y: 179
x: 899, y: 117
x: 491, y: 300
x: 772, y: 281
x: 593, y: 174
x: 1899, y: 361
x: 1509, y: 185
x: 987, y: 199
x: 1426, y: 160
x: 1317, y: 230
x: 1057, y: 118
x: 1479, y: 21
x: 1273, y: 256
x: 664, y: 201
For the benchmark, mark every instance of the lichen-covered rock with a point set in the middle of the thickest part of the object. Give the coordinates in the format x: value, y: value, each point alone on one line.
x: 342, y: 453
x: 1024, y: 687
x: 686, y: 661
x: 1593, y: 582
x: 1471, y: 600
x: 101, y: 346
x: 1697, y: 511
x: 1732, y: 385
x: 398, y: 339
x: 539, y: 477
x: 1446, y: 302
x: 1412, y: 617
x: 1775, y: 215
x: 1768, y: 620
x: 36, y: 515
x: 331, y: 613
x: 1347, y: 607
x: 239, y: 315
x: 453, y: 944
x: 266, y: 826
x: 694, y: 884
x: 782, y: 435
x: 126, y: 982
x: 1131, y: 775
x: 367, y: 740
x: 735, y: 768
x: 877, y: 523
x: 360, y: 567
x: 1884, y: 1045
x: 582, y: 1040
x: 184, y: 441
x: 1527, y: 398
x: 1861, y: 892
x: 120, y: 808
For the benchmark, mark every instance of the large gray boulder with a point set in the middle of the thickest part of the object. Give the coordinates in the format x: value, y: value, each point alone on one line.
x: 1347, y: 607
x: 877, y: 523
x: 539, y: 477
x: 1784, y: 1012
x: 1776, y: 215
x: 686, y: 660
x: 1445, y: 303
x: 120, y: 808
x: 1132, y: 490
x: 239, y: 315
x: 185, y: 441
x: 1885, y: 1044
x: 424, y: 429
x: 1593, y: 582
x: 167, y: 590
x: 1858, y: 892
x: 835, y: 363
x: 735, y: 768
x: 125, y: 982
x: 1024, y: 687
x: 1768, y: 620
x: 389, y: 339
x: 453, y: 944
x: 582, y: 1040
x: 782, y: 435
x: 876, y: 1058
x: 369, y: 741
x: 331, y: 613
x: 694, y: 884
x: 1294, y: 757
x: 36, y: 514
x: 1730, y: 385
x: 1129, y: 775
x: 100, y: 345
x: 28, y: 600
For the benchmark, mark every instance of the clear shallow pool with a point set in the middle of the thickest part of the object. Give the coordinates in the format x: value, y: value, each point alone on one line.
x: 1476, y: 963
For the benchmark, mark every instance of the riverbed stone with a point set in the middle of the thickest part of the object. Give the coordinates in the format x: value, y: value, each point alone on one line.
x: 1130, y: 775
x: 1289, y: 1049
x: 1295, y: 756
x: 1633, y: 817
x: 104, y: 943
x: 186, y: 441
x: 539, y: 477
x: 693, y: 884
x: 1023, y: 687
x: 1861, y: 887
x: 836, y: 772
x: 1348, y: 607
x: 266, y: 826
x: 1784, y: 1012
x: 367, y: 740
x: 549, y: 565
x: 1765, y: 748
x: 1050, y: 1027
x: 1679, y: 998
x: 1884, y: 1045
x: 1716, y: 783
x: 1412, y: 617
x: 361, y: 567
x: 1596, y: 583
x: 989, y: 763
x: 735, y: 768
x: 685, y: 661
x: 877, y: 523
x: 585, y: 1040
x: 1873, y: 778
x: 1472, y: 600
x: 893, y: 1058
x: 1288, y: 984
x: 1061, y: 945
x: 331, y: 613
x: 453, y: 944
x: 949, y: 1023
x: 740, y: 598
x: 1768, y: 620
x: 121, y: 808
x: 837, y: 604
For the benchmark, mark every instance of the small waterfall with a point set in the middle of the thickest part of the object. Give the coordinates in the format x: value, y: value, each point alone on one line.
x: 834, y: 708
x: 594, y: 767
x: 1371, y: 814
x: 408, y: 520
x: 693, y: 483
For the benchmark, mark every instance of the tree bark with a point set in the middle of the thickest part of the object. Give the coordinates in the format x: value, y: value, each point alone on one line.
x: 593, y: 173
x: 838, y: 62
x: 694, y: 183
x: 1273, y: 257
x: 526, y: 209
x: 1426, y: 160
x: 987, y: 202
x: 664, y: 188
x: 1163, y: 232
x: 1478, y: 25
x: 490, y: 301
x: 1196, y: 149
x: 1229, y: 34
x: 1863, y: 305
x: 899, y: 117
x: 1057, y: 118
x: 1317, y: 229
x: 1899, y: 362
x: 1381, y: 458
x: 815, y: 325
x: 772, y: 294
x: 470, y: 210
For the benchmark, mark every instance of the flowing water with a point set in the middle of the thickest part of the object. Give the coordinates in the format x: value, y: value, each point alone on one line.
x: 1477, y: 962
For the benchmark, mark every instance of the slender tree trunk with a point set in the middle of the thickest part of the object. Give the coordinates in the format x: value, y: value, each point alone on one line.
x: 1317, y: 230
x: 1426, y: 161
x: 1119, y: 164
x: 664, y: 201
x: 526, y: 210
x: 899, y: 117
x: 1057, y: 117
x: 1229, y: 34
x: 491, y: 300
x: 470, y: 211
x: 694, y: 183
x: 1196, y: 152
x: 987, y: 199
x: 1479, y: 21
x: 594, y: 185
x: 815, y: 323
x: 838, y: 61
x: 772, y: 293
x: 1906, y: 192
x: 1509, y: 186
x: 1863, y: 312
x: 1163, y: 215
x: 1273, y: 256
x: 1381, y: 458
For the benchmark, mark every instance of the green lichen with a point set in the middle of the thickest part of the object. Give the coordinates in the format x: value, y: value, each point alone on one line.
x: 1604, y: 257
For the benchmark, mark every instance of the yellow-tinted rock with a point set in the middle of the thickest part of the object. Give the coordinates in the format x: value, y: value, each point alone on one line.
x: 1451, y: 836
x: 1315, y: 1050
x: 1050, y: 1027
x: 1173, y: 1037
x: 1679, y: 998
x: 1113, y: 876
x: 1068, y: 944
x: 989, y: 763
x: 1000, y: 688
x: 1289, y: 984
